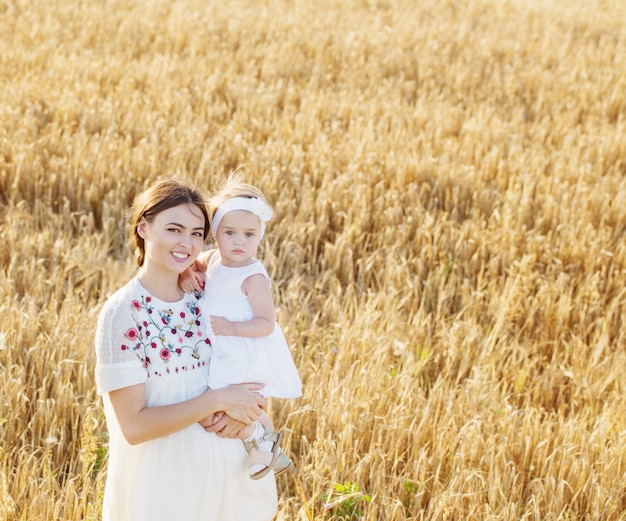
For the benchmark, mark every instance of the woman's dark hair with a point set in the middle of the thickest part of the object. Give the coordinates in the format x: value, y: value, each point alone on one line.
x: 159, y: 197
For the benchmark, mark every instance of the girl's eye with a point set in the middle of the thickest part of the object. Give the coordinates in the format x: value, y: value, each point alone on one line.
x: 250, y: 234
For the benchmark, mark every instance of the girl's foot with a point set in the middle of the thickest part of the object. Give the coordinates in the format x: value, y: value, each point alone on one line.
x: 282, y: 463
x: 263, y: 451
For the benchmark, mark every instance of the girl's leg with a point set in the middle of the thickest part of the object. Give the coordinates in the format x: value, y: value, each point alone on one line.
x: 263, y: 447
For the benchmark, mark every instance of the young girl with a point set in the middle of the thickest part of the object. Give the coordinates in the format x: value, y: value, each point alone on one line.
x: 152, y: 370
x: 248, y: 345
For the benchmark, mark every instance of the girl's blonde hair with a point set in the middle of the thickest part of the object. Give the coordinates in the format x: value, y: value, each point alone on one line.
x: 233, y: 187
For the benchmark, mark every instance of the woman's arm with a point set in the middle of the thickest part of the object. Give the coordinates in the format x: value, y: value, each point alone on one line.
x: 257, y: 288
x: 140, y: 423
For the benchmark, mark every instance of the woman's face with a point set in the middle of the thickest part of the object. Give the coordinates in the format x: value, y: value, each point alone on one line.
x: 173, y: 239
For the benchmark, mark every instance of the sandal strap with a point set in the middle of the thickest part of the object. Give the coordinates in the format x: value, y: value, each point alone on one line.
x: 256, y: 442
x: 264, y: 458
x: 282, y: 464
x: 257, y: 457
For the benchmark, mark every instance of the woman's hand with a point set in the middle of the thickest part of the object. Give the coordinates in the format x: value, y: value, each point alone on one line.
x: 242, y: 402
x: 210, y: 421
x: 191, y: 280
x: 224, y: 426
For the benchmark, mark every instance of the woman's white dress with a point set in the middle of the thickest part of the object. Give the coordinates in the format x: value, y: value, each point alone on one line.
x: 265, y: 360
x: 190, y: 475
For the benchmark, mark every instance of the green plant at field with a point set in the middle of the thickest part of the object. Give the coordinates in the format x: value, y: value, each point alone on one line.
x: 346, y: 501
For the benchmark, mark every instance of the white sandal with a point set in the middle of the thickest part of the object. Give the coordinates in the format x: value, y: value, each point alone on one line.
x: 265, y: 458
x: 282, y: 463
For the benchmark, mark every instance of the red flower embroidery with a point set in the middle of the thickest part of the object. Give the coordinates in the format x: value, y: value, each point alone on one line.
x: 187, y: 336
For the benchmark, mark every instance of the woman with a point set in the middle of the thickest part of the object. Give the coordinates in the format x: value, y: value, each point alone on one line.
x: 152, y: 371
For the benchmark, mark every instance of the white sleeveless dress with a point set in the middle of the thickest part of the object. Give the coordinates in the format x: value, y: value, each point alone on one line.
x: 235, y: 360
x: 190, y: 475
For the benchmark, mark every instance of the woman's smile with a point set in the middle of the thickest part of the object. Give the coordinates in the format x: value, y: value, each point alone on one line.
x: 177, y: 231
x: 180, y: 256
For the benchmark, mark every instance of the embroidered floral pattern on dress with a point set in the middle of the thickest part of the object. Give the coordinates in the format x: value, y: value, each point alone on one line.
x: 165, y: 336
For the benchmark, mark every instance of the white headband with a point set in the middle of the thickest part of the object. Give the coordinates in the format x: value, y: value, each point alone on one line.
x: 251, y: 204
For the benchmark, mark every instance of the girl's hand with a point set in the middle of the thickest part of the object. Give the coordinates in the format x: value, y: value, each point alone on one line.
x: 191, y: 281
x: 221, y: 326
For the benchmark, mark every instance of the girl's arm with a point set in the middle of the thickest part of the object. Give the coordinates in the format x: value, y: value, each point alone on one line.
x: 140, y: 423
x: 257, y: 288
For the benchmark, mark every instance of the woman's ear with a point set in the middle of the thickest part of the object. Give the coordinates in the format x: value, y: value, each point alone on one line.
x: 141, y: 228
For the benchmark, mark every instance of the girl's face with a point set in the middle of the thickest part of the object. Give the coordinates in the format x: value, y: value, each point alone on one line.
x: 238, y: 237
x: 173, y: 239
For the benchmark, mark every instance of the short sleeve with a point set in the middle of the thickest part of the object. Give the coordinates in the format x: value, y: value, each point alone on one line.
x: 116, y: 367
x: 261, y: 270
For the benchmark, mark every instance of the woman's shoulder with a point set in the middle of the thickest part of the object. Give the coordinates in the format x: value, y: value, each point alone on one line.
x: 119, y: 300
x: 128, y: 289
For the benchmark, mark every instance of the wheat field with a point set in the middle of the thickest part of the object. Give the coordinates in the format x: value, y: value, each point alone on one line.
x: 448, y: 251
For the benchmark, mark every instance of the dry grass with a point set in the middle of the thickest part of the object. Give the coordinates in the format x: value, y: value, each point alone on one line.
x: 448, y: 254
